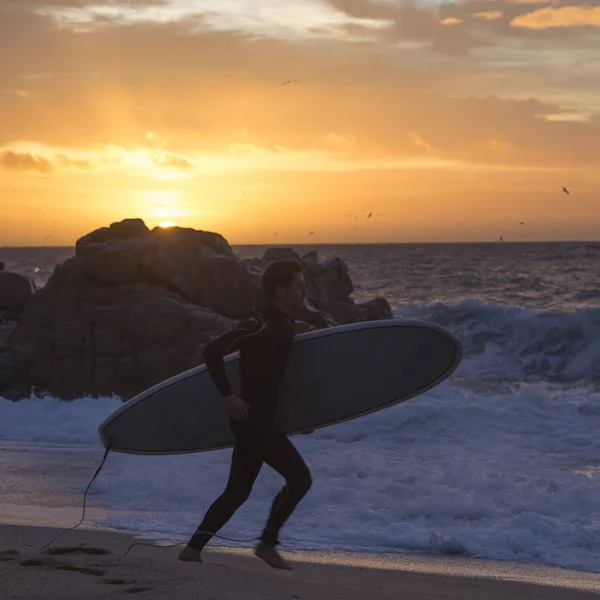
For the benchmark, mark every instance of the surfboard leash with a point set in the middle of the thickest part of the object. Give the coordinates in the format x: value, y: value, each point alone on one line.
x: 108, y: 447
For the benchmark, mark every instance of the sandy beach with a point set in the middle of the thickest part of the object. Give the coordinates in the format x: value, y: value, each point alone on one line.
x: 99, y: 569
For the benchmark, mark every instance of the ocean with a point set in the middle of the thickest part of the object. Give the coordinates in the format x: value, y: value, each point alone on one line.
x: 501, y: 461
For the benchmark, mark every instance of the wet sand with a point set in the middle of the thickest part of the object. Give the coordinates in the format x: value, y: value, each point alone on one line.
x: 99, y: 569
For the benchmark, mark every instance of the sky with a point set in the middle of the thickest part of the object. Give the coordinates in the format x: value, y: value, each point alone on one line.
x: 278, y: 121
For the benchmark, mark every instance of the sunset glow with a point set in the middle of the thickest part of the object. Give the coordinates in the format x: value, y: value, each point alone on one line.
x: 447, y: 121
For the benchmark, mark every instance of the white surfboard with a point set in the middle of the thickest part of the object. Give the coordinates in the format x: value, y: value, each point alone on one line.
x: 332, y: 375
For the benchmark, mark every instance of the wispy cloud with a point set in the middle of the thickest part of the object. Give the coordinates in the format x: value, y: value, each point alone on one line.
x: 488, y: 15
x: 25, y: 161
x: 566, y: 16
x: 15, y: 161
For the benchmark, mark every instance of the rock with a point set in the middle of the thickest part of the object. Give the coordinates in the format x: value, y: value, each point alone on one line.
x: 329, y: 280
x: 375, y: 310
x: 83, y: 337
x: 134, y: 307
x: 1, y: 265
x: 311, y: 258
x: 126, y: 229
x: 328, y: 286
x: 199, y: 266
x: 274, y: 254
x: 15, y: 291
x: 6, y: 359
x: 114, y: 266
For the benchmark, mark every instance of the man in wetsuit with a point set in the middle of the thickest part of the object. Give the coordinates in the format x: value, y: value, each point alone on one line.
x: 264, y: 341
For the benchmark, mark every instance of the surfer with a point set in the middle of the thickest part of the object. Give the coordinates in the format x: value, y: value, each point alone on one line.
x: 264, y: 341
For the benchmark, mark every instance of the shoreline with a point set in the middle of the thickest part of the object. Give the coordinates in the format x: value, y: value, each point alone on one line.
x: 68, y: 571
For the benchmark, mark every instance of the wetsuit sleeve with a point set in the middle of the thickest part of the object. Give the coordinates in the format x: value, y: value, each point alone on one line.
x: 229, y: 342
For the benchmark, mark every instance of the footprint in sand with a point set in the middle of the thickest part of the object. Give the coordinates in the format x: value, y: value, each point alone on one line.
x: 37, y: 562
x: 84, y: 570
x: 46, y: 561
x: 116, y: 581
x: 59, y: 550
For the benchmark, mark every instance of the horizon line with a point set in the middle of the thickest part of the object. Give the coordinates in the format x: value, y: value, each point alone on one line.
x: 420, y: 243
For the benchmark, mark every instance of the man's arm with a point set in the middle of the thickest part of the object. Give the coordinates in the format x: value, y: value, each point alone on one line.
x: 225, y: 344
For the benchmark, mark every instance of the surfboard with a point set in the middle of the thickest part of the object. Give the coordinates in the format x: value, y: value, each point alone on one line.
x: 332, y: 375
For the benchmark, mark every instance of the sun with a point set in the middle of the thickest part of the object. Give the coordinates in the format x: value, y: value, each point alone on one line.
x: 166, y: 224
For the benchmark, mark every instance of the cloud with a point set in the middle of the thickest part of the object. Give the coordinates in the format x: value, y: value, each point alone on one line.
x: 20, y: 162
x: 566, y: 16
x: 451, y: 21
x: 418, y: 142
x: 489, y: 15
x: 458, y: 87
x: 65, y: 161
x: 496, y: 146
x: 173, y: 161
x: 11, y: 160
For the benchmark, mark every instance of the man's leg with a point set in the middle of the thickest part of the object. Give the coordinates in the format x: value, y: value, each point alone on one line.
x: 246, y: 463
x: 281, y: 455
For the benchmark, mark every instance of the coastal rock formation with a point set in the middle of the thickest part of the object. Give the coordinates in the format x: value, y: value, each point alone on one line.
x: 135, y: 306
x: 15, y: 292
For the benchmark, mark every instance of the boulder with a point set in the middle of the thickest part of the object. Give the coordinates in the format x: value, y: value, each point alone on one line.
x: 135, y: 306
x: 79, y: 336
x: 15, y: 292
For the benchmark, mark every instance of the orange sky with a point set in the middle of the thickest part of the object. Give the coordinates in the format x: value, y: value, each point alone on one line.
x: 449, y: 122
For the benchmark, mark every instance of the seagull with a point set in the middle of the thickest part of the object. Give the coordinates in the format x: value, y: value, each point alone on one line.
x: 565, y: 190
x: 369, y: 215
x: 522, y: 223
x: 311, y: 233
x: 290, y: 81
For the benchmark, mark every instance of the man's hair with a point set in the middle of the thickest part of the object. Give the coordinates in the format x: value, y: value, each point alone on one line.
x: 279, y: 273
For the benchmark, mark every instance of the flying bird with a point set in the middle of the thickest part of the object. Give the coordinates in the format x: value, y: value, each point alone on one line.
x: 369, y: 215
x: 289, y: 81
x: 311, y: 233
x: 522, y: 223
x: 565, y: 190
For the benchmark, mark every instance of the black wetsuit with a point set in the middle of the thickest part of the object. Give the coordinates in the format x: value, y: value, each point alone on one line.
x: 264, y: 341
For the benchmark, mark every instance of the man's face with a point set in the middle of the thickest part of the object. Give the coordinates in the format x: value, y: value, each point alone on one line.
x: 295, y: 293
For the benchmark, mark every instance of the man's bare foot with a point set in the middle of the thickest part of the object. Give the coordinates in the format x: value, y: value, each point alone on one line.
x: 271, y: 556
x: 188, y: 554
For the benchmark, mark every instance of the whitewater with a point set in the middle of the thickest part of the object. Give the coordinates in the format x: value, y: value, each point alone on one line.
x: 501, y: 461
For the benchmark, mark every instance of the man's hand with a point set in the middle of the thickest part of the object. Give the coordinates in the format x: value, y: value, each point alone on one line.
x: 236, y: 407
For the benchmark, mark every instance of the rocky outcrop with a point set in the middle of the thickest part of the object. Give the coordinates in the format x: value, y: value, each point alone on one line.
x: 135, y: 306
x: 15, y: 292
x: 328, y: 287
